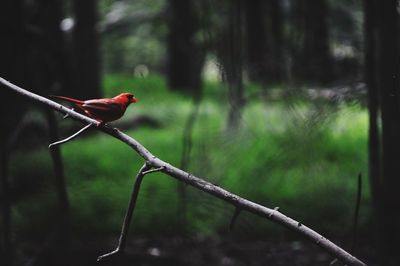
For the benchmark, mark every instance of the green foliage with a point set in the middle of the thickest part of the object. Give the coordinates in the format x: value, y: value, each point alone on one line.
x: 304, y: 158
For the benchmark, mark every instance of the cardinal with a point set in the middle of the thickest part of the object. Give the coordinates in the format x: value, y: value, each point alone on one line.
x: 103, y: 110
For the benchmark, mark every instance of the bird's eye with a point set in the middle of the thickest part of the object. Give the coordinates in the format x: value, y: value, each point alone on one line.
x: 130, y: 96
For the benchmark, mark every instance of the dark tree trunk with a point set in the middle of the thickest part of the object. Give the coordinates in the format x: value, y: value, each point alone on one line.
x: 234, y: 64
x: 264, y: 41
x: 230, y: 55
x: 50, y: 73
x: 12, y: 67
x: 257, y: 50
x: 388, y: 83
x: 32, y: 56
x: 382, y: 68
x: 13, y: 43
x: 373, y: 96
x: 60, y: 183
x: 6, y: 246
x: 13, y: 62
x: 277, y: 66
x: 185, y: 56
x: 312, y: 60
x: 49, y: 68
x: 86, y: 51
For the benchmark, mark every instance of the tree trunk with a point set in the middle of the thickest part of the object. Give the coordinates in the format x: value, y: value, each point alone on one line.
x: 185, y: 57
x: 277, y: 66
x: 86, y: 51
x: 388, y: 82
x: 40, y: 65
x: 257, y: 49
x: 60, y: 183
x: 373, y: 96
x: 13, y: 67
x: 6, y: 246
x: 230, y: 54
x: 382, y: 68
x: 48, y: 64
x: 312, y: 60
x: 264, y: 41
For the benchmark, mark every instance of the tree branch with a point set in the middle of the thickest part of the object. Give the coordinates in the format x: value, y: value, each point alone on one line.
x: 128, y: 216
x: 154, y: 162
x: 76, y: 134
x: 356, y: 212
x: 234, y: 218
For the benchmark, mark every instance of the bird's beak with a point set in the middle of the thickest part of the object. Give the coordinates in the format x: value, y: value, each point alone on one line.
x: 134, y: 100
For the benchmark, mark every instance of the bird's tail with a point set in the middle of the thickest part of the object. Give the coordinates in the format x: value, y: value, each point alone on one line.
x: 72, y: 100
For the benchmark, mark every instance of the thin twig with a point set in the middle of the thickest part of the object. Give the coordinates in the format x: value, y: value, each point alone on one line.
x: 234, y: 218
x: 333, y: 262
x: 70, y: 137
x: 356, y: 212
x: 153, y: 170
x: 67, y: 115
x: 276, y: 209
x: 187, y: 144
x: 128, y: 216
x: 199, y: 183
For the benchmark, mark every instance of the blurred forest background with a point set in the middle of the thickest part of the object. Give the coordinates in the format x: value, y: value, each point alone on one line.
x: 284, y: 102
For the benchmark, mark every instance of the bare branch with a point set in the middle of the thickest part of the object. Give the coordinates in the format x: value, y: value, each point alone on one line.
x: 153, y: 170
x: 276, y: 209
x: 244, y: 204
x: 67, y: 115
x: 128, y: 216
x: 234, y: 218
x: 70, y: 137
x: 356, y: 212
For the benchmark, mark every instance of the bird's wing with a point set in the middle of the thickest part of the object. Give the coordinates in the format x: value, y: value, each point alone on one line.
x: 102, y: 105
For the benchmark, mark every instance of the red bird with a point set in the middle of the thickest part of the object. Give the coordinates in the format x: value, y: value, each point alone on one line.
x: 103, y: 110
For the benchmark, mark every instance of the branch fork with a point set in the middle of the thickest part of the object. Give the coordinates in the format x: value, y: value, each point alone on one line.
x: 146, y: 169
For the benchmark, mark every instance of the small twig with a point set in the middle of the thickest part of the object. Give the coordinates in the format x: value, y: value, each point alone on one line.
x: 333, y: 262
x: 187, y: 145
x: 67, y: 115
x: 146, y: 169
x: 276, y: 209
x: 356, y: 212
x: 355, y: 221
x: 234, y: 218
x: 70, y: 137
x: 154, y: 170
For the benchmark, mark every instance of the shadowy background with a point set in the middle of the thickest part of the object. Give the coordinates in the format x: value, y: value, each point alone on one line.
x: 284, y: 102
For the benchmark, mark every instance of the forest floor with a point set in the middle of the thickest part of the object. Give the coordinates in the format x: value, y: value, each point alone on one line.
x: 196, y: 251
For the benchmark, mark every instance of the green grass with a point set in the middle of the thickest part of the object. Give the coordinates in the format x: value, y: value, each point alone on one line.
x: 304, y: 158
